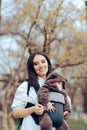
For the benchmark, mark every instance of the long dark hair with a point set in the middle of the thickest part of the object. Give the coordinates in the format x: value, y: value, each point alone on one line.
x: 32, y: 76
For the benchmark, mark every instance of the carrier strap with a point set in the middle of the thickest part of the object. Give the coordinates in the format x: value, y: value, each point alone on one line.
x: 34, y: 116
x: 36, y: 87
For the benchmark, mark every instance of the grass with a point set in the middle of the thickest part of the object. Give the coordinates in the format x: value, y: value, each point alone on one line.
x: 73, y: 124
x: 77, y: 124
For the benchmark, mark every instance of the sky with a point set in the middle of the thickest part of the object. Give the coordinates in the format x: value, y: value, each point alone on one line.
x: 8, y: 8
x: 7, y: 5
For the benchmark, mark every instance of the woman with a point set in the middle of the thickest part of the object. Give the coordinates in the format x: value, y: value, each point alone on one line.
x: 39, y: 67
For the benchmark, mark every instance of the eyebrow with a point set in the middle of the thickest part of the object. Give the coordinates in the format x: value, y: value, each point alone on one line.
x: 39, y: 60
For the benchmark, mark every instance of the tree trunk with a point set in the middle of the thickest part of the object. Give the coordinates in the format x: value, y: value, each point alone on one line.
x: 4, y: 116
x: 85, y: 101
x: 11, y: 121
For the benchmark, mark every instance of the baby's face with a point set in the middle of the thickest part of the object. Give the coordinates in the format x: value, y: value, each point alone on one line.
x: 59, y: 85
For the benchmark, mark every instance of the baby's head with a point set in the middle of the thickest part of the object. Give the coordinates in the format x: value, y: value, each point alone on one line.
x: 59, y: 85
x: 57, y: 80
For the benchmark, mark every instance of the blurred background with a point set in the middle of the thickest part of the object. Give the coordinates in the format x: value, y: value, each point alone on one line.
x: 56, y: 27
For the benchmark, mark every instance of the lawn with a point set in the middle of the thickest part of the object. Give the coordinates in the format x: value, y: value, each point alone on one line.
x: 74, y: 124
x: 77, y: 124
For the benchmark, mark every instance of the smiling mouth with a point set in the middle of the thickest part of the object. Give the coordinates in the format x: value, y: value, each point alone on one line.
x: 41, y: 70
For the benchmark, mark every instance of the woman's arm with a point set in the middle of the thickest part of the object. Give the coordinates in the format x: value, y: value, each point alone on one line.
x: 23, y: 112
x: 20, y: 101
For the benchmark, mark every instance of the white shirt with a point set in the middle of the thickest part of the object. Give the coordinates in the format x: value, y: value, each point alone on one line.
x: 20, y: 101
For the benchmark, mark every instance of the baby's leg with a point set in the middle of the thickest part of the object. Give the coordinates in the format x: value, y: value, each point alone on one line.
x: 64, y: 126
x: 46, y: 123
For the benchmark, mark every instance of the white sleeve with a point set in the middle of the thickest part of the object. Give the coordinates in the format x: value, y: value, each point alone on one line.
x: 20, y: 98
x: 69, y: 100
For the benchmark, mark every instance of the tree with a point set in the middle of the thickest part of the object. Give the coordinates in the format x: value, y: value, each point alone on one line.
x: 47, y: 26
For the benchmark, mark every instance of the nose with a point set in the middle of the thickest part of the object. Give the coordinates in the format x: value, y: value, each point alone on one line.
x: 40, y: 64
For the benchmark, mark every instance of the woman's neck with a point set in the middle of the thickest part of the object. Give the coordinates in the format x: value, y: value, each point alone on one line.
x: 43, y: 77
x: 41, y: 81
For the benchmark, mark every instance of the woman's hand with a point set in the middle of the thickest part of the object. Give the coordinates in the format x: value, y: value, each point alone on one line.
x: 39, y: 109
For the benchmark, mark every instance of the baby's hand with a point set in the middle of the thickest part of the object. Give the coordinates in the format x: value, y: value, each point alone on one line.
x: 66, y: 115
x: 50, y: 107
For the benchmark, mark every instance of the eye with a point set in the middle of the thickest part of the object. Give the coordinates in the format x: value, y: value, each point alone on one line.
x: 35, y: 63
x: 43, y: 61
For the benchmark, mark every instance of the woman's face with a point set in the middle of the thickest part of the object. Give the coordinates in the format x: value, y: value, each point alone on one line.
x: 40, y: 65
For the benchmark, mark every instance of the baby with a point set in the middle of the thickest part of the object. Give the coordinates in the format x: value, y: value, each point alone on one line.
x: 56, y: 103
